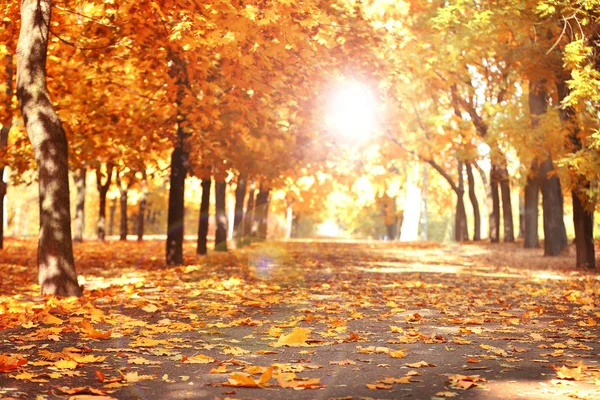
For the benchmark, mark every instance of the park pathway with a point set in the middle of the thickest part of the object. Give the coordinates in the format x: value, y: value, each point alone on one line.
x: 305, y: 320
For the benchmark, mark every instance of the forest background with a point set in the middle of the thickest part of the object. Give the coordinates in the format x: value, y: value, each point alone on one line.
x: 494, y: 99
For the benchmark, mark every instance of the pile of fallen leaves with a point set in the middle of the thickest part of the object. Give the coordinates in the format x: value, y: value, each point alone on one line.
x: 326, y: 320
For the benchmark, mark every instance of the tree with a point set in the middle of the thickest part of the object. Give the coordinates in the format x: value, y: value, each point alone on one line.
x: 102, y: 191
x: 124, y: 191
x: 79, y: 178
x: 56, y: 266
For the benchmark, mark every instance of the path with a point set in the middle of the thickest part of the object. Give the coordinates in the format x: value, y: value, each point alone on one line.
x: 338, y: 320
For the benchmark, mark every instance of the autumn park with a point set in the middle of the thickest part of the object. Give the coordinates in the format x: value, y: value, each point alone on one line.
x: 320, y: 199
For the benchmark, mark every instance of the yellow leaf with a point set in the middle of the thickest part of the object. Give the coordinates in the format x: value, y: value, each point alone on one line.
x: 198, y: 359
x: 420, y: 364
x: 66, y: 364
x: 297, y: 337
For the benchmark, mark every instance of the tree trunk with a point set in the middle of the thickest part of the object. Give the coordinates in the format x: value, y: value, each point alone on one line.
x: 56, y: 266
x: 6, y: 125
x: 220, y: 216
x: 521, y: 234
x: 531, y: 210
x: 261, y: 212
x: 204, y: 217
x: 474, y: 203
x: 461, y: 231
x: 240, y: 194
x: 124, y: 191
x: 79, y: 205
x: 249, y: 219
x: 507, y: 214
x: 555, y: 233
x: 102, y: 190
x: 583, y: 220
x: 495, y: 212
x: 143, y: 203
x: 111, y: 218
x: 3, y: 185
x: 174, y: 245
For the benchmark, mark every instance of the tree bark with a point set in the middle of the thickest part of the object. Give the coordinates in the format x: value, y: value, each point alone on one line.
x: 201, y: 248
x: 261, y: 213
x: 555, y: 233
x: 240, y: 195
x: 474, y: 203
x: 6, y: 125
x: 531, y: 209
x: 461, y: 231
x: 124, y: 191
x: 102, y: 190
x: 79, y: 225
x: 56, y: 266
x: 495, y: 212
x: 220, y: 216
x: 249, y: 219
x: 507, y: 214
x: 143, y: 203
x: 3, y: 185
x: 111, y: 218
x: 174, y: 248
x: 583, y: 217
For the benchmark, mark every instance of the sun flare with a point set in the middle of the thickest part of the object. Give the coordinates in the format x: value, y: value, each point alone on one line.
x: 352, y: 111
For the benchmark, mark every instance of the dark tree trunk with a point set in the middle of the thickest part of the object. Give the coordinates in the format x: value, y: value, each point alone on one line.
x: 261, y: 213
x: 555, y: 233
x: 507, y: 214
x: 204, y: 217
x: 6, y: 125
x: 474, y: 203
x: 220, y: 216
x: 531, y: 210
x: 143, y: 203
x: 174, y: 246
x: 240, y: 195
x: 584, y: 233
x: 3, y: 185
x: 495, y: 214
x: 111, y: 218
x: 102, y: 190
x: 583, y: 220
x: 461, y: 231
x: 79, y: 225
x: 521, y: 234
x: 249, y: 219
x: 124, y: 191
x: 56, y: 266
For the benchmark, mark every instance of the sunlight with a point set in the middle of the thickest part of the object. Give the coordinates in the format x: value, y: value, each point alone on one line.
x: 351, y: 112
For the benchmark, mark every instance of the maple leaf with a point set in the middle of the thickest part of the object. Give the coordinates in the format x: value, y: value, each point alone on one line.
x: 197, y: 359
x: 88, y: 330
x: 379, y: 386
x: 9, y: 363
x: 296, y: 338
x: 66, y: 364
x: 241, y: 379
x: 574, y: 374
x: 420, y: 364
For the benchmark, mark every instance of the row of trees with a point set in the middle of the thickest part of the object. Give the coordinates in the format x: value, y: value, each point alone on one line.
x: 241, y: 87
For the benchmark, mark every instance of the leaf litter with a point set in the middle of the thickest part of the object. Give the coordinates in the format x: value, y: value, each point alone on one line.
x: 330, y: 311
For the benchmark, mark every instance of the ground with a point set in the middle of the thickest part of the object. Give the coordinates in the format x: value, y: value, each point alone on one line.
x: 303, y: 320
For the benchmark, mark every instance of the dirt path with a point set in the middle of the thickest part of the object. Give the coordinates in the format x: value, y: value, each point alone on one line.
x: 306, y: 320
